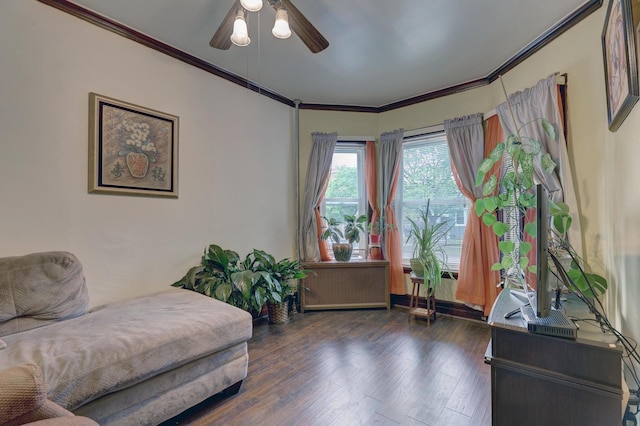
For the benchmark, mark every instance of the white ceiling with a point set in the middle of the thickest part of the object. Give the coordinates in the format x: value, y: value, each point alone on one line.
x: 380, y: 51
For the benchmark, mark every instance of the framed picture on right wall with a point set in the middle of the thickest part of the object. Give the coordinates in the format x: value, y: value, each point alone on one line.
x: 620, y: 66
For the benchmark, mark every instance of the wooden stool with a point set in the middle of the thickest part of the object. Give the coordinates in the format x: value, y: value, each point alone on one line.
x: 430, y: 299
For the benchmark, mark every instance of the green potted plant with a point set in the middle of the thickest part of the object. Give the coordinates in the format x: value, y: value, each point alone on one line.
x: 222, y: 276
x: 376, y: 228
x: 429, y: 257
x: 374, y: 232
x: 515, y: 200
x: 353, y: 226
x: 276, y: 279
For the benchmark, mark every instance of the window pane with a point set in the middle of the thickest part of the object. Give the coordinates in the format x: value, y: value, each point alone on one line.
x: 346, y: 192
x: 427, y: 177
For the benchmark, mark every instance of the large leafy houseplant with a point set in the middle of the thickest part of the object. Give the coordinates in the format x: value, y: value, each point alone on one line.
x: 275, y: 281
x: 276, y: 277
x: 429, y: 256
x: 223, y: 276
x: 515, y: 200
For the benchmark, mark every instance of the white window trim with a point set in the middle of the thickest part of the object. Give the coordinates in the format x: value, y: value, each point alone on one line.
x: 413, y: 136
x: 358, y: 142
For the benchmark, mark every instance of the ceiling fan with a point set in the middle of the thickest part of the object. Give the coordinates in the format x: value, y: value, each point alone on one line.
x: 300, y: 25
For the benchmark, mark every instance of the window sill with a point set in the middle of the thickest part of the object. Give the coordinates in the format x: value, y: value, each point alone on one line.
x: 407, y: 270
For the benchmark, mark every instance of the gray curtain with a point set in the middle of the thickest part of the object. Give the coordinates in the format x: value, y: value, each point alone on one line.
x: 390, y: 161
x: 529, y: 107
x: 318, y: 173
x: 465, y: 138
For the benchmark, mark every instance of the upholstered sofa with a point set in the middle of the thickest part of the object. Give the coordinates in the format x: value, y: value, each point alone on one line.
x: 137, y: 361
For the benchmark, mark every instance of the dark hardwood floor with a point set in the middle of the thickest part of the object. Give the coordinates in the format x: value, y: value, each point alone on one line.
x: 359, y: 367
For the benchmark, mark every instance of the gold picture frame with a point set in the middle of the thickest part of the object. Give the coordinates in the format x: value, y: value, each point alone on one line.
x: 133, y: 150
x: 620, y: 66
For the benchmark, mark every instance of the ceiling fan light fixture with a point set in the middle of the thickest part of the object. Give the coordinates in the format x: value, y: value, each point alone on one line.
x: 281, y: 27
x: 240, y: 36
x: 251, y: 5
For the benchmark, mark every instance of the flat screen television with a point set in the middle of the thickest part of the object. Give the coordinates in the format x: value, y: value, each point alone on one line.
x: 537, y: 314
x: 541, y: 303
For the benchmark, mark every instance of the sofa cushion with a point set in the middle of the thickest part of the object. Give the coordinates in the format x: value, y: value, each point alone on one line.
x: 39, y: 288
x: 123, y: 343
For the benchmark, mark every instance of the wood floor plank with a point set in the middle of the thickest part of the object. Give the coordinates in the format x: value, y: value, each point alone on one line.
x: 353, y: 367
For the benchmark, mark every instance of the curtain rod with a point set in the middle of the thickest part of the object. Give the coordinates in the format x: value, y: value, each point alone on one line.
x: 355, y: 138
x: 561, y: 79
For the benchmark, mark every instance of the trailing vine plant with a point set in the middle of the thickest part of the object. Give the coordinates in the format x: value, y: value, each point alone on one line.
x: 515, y: 197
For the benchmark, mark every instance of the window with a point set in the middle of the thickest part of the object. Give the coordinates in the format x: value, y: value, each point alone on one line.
x: 427, y: 176
x: 346, y: 193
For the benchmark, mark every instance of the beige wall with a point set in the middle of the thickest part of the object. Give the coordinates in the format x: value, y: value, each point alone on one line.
x: 236, y: 180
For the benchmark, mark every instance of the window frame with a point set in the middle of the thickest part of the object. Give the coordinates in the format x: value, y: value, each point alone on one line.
x: 436, y: 136
x: 359, y: 148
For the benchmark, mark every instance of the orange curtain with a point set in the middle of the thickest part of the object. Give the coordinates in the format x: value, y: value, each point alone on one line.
x: 392, y: 243
x: 477, y: 283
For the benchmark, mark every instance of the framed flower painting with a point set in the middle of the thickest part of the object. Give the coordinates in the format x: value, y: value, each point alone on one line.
x: 620, y: 66
x: 133, y: 150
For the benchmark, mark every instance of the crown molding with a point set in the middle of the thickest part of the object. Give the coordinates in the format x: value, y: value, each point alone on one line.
x: 131, y: 34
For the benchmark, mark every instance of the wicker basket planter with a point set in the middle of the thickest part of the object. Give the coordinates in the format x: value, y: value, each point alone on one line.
x: 278, y: 312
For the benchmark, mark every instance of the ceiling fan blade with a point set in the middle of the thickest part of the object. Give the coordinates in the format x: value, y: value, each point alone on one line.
x: 222, y: 38
x: 300, y: 25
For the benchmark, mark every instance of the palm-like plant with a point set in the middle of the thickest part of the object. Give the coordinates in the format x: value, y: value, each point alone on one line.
x: 427, y: 250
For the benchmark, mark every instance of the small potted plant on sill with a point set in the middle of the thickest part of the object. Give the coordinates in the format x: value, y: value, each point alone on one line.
x: 353, y: 226
x: 374, y: 232
x: 376, y: 228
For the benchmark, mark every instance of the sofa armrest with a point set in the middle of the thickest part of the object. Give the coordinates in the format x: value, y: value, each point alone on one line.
x: 23, y: 396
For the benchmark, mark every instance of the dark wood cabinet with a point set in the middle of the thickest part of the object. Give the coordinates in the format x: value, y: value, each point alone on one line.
x: 544, y: 380
x: 346, y: 285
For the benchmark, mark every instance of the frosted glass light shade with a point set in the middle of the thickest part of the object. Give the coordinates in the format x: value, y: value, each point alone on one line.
x: 240, y: 36
x: 251, y: 5
x: 281, y: 27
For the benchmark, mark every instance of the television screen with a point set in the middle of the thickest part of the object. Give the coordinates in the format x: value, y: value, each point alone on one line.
x: 538, y: 288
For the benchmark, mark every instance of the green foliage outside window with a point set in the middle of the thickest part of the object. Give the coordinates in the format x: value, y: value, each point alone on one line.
x: 343, y: 185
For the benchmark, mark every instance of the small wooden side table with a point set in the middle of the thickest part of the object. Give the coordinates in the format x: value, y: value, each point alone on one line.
x: 430, y: 299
